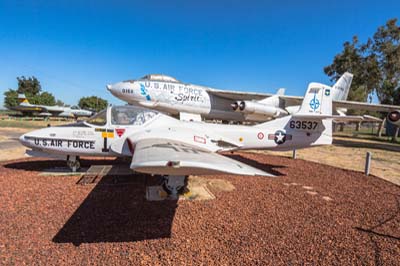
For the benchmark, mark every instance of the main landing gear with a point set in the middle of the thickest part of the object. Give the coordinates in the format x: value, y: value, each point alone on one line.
x: 175, y: 185
x: 73, y: 162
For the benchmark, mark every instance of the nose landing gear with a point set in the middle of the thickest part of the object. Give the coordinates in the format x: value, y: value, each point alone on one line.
x: 73, y: 162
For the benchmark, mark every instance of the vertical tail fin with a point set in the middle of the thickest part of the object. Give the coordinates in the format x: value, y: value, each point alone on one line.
x: 310, y: 126
x: 22, y: 99
x: 317, y: 101
x: 341, y: 89
x: 280, y: 91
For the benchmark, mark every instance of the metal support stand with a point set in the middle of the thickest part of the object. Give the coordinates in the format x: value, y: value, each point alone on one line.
x: 294, y: 156
x: 174, y: 183
x: 368, y: 163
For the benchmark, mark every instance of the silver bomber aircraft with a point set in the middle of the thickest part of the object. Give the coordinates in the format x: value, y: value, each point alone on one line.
x: 193, y: 102
x: 162, y: 145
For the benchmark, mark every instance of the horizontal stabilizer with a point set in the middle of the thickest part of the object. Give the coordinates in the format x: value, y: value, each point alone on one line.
x: 336, y: 117
x: 371, y: 118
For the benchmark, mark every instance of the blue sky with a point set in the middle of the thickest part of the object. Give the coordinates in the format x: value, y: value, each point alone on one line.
x: 75, y: 48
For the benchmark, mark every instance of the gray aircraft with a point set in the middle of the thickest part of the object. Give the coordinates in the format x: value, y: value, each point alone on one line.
x: 45, y: 110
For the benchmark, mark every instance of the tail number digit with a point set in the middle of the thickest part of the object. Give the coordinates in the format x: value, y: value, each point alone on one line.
x: 310, y: 125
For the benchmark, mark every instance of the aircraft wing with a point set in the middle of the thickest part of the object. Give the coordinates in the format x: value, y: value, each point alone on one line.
x: 364, y: 118
x: 297, y: 100
x: 167, y: 157
x: 239, y: 95
x: 257, y: 96
x: 365, y: 106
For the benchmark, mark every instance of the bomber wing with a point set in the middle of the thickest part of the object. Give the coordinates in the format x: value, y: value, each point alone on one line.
x: 297, y: 100
x: 166, y: 157
x: 365, y: 106
x: 256, y: 96
x: 239, y: 95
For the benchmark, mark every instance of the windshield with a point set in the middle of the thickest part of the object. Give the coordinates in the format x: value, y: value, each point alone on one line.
x: 160, y: 77
x: 130, y: 115
x: 99, y: 119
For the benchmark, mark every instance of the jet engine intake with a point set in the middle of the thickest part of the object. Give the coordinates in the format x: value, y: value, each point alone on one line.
x: 394, y: 117
x: 235, y: 106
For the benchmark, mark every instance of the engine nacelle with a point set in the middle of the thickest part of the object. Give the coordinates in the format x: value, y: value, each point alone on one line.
x: 65, y: 114
x: 249, y: 107
x: 44, y: 114
x: 394, y: 117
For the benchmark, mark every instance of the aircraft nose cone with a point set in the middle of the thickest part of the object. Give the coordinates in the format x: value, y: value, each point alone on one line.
x: 109, y: 87
x: 22, y: 139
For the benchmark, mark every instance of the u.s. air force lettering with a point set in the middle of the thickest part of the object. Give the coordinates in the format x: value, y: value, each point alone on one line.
x: 65, y: 143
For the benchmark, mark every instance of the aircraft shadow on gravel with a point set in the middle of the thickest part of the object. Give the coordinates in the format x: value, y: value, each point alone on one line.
x: 35, y: 165
x: 119, y: 212
x: 269, y: 168
x: 50, y: 165
x: 116, y: 211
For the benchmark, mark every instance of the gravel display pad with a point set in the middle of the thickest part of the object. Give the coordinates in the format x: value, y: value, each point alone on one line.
x: 309, y: 214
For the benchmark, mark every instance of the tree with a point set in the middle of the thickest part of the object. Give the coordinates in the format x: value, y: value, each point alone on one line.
x: 93, y: 103
x: 386, y: 45
x: 354, y: 58
x: 60, y: 103
x: 375, y: 65
x: 29, y: 86
x: 46, y: 98
x: 10, y: 98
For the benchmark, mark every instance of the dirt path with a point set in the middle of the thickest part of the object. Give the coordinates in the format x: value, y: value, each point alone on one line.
x: 9, y: 145
x: 350, y: 153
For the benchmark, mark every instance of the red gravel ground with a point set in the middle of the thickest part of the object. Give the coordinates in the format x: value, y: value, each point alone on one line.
x: 50, y: 220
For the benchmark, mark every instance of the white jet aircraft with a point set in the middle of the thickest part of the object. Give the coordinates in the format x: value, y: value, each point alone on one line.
x: 193, y: 102
x: 162, y: 145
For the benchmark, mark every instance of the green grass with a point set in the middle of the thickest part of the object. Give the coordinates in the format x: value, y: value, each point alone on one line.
x: 29, y: 124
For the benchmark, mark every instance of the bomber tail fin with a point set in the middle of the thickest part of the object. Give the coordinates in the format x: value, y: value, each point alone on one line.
x: 341, y: 89
x: 281, y: 91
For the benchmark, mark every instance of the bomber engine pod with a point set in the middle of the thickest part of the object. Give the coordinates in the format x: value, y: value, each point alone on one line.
x: 235, y: 106
x: 250, y: 107
x: 394, y: 117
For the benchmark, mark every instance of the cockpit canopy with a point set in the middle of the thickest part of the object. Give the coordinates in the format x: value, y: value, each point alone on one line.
x: 123, y: 116
x: 130, y: 115
x: 160, y: 77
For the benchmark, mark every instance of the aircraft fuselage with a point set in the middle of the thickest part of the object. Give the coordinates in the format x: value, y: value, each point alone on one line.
x: 176, y: 97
